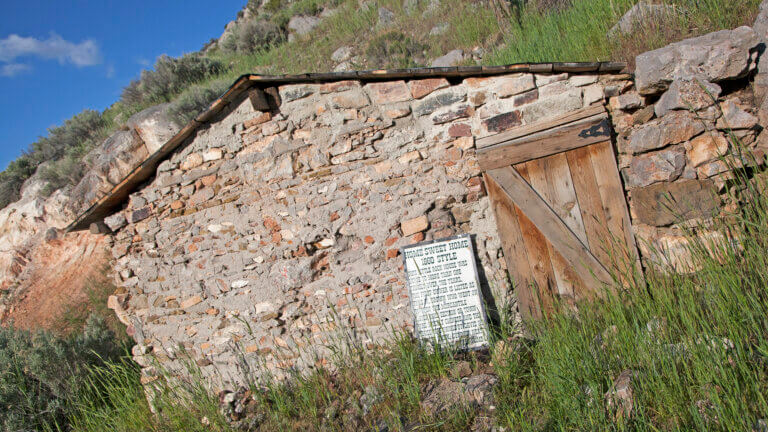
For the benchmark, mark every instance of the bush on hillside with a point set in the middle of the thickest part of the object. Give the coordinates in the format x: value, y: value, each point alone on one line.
x: 78, y: 131
x: 42, y: 372
x: 394, y: 49
x: 196, y: 99
x: 14, y: 176
x: 252, y: 36
x: 169, y: 77
x: 68, y: 143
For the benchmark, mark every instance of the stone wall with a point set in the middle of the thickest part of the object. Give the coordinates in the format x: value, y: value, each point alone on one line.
x: 268, y: 235
x: 678, y: 129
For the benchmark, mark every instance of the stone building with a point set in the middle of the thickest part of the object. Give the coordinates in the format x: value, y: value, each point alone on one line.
x: 272, y: 223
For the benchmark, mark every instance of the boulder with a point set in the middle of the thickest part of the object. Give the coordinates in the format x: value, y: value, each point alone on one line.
x: 116, y: 221
x: 342, y: 54
x: 735, y: 117
x: 439, y: 29
x: 154, y: 126
x: 627, y: 102
x: 620, y: 398
x: 139, y: 215
x: 32, y: 187
x: 444, y: 396
x: 715, y: 57
x: 386, y: 17
x: 706, y: 147
x: 640, y: 14
x: 451, y: 59
x: 761, y: 28
x: 302, y: 25
x: 687, y: 95
x: 89, y: 190
x: 422, y: 88
x: 412, y: 226
x: 119, y: 155
x: 480, y: 387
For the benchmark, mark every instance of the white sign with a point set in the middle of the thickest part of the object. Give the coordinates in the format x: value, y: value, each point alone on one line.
x: 445, y: 293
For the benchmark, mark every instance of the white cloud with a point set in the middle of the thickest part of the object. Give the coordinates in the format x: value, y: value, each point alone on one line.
x: 13, y: 69
x: 85, y: 53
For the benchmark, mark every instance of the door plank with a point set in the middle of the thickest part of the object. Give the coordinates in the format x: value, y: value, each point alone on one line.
x: 538, y: 254
x: 530, y: 204
x: 614, y: 203
x: 537, y: 178
x: 543, y: 144
x: 592, y: 213
x: 564, y: 195
x: 540, y: 126
x: 513, y: 246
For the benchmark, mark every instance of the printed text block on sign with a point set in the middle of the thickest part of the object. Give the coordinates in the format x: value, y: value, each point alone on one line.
x: 445, y: 292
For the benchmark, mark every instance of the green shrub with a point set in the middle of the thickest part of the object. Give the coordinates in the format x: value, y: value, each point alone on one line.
x: 62, y: 148
x: 394, y: 49
x: 270, y: 6
x: 253, y: 36
x: 14, y: 176
x: 196, y: 99
x: 169, y: 77
x: 42, y: 373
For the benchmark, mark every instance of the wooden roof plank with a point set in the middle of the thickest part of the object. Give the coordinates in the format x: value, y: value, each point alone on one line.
x: 541, y: 68
x: 575, y: 67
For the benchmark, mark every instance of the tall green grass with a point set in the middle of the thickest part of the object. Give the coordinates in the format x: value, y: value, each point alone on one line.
x: 580, y: 31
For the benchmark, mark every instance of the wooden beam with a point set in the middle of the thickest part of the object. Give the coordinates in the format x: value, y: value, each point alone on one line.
x: 584, y: 264
x: 523, y: 131
x: 275, y: 96
x: 258, y: 99
x: 590, y: 131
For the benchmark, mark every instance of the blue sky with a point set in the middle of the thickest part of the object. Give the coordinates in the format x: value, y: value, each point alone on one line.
x: 58, y: 58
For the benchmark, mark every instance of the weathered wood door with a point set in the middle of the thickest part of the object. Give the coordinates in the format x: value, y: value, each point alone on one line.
x: 560, y: 208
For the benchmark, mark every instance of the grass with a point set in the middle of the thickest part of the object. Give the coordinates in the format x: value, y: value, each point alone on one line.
x: 74, y: 315
x: 580, y: 32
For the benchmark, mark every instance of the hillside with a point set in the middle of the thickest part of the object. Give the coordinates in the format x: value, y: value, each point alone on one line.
x: 270, y: 231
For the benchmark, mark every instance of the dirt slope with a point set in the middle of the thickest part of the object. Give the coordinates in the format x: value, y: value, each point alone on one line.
x: 59, y: 273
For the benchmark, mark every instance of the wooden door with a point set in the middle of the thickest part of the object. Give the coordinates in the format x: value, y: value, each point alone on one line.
x: 560, y: 209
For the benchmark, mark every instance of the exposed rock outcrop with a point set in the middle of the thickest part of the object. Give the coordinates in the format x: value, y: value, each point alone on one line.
x: 714, y: 57
x: 24, y: 225
x: 640, y: 14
